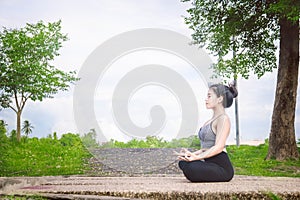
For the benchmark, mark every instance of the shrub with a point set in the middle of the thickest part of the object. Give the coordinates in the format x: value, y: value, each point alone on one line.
x: 154, y: 142
x: 70, y: 139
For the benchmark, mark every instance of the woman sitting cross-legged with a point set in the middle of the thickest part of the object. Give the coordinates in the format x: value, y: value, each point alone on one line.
x: 211, y: 163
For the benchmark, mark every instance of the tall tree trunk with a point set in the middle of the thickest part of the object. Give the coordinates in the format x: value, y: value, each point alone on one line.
x: 19, y: 125
x: 282, y: 141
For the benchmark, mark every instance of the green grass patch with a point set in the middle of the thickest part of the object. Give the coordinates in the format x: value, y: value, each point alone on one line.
x: 42, y: 157
x: 250, y: 160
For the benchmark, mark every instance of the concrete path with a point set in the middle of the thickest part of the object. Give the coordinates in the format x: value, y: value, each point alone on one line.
x: 151, y: 187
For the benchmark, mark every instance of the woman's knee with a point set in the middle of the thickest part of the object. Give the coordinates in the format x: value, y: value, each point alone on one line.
x: 182, y: 164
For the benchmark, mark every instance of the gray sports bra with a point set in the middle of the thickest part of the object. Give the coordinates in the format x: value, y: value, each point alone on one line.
x: 207, y: 136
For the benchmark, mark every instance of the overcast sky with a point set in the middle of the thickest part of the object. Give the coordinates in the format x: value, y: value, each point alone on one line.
x: 89, y: 24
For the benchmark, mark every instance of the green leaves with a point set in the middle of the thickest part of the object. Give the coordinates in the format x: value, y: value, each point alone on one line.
x: 27, y: 128
x: 25, y: 65
x: 242, y: 34
x: 155, y: 142
x: 289, y: 9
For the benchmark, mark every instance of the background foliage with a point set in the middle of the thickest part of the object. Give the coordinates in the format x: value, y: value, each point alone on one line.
x: 154, y: 142
x: 69, y: 155
x: 42, y: 157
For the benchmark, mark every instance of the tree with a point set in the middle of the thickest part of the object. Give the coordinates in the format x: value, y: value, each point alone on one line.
x: 26, y: 71
x: 90, y: 139
x: 2, y: 130
x: 27, y: 128
x: 251, y: 29
x: 13, y: 136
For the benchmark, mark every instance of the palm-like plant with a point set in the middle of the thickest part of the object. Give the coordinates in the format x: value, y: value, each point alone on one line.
x: 27, y: 128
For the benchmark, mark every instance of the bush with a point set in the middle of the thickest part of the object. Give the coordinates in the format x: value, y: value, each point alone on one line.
x: 70, y: 139
x: 89, y: 139
x: 190, y: 142
x: 155, y: 142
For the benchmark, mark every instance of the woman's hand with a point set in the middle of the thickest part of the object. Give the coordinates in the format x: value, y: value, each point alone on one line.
x: 188, y: 156
x: 184, y: 150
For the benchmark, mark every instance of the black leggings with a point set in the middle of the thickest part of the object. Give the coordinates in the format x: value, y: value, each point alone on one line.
x: 215, y: 169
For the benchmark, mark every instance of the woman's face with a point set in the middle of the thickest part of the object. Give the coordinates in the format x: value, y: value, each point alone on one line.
x: 212, y: 100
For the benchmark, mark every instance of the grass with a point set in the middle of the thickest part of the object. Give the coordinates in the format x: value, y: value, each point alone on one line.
x: 42, y: 157
x: 250, y: 160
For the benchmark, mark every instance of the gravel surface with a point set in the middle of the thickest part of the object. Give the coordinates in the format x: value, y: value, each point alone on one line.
x: 134, y: 161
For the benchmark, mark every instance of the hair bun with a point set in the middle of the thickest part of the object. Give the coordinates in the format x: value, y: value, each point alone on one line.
x: 232, y: 89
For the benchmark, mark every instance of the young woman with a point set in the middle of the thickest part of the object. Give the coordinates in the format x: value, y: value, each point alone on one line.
x: 211, y: 163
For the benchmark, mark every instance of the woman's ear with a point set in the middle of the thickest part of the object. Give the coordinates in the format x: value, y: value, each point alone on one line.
x: 220, y: 99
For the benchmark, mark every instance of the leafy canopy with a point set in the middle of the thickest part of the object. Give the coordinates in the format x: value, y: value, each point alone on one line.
x: 248, y: 28
x: 26, y: 71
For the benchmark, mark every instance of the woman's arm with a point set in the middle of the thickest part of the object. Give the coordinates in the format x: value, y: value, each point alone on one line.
x: 222, y: 132
x: 198, y: 152
x: 185, y: 151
